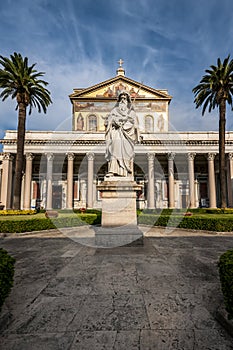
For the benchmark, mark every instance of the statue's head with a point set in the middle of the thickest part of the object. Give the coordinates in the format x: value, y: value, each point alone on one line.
x: 124, y: 93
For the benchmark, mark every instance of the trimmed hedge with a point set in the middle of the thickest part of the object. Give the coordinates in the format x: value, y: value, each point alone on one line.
x: 11, y: 226
x: 195, y: 222
x: 6, y: 274
x: 226, y: 278
x: 189, y: 222
x: 167, y: 211
x: 219, y: 211
x: 19, y: 226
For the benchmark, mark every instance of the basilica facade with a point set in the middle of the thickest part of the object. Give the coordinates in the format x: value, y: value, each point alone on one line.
x: 62, y: 169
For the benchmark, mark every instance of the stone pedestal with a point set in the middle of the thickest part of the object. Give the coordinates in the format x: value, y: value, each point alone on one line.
x: 118, y: 201
x: 119, y: 215
x: 112, y: 237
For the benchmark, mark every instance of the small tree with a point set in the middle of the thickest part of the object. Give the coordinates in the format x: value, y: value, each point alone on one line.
x: 214, y: 90
x: 22, y: 82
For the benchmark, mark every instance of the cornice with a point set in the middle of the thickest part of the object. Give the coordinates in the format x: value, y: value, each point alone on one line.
x: 102, y: 142
x: 184, y: 142
x: 55, y: 142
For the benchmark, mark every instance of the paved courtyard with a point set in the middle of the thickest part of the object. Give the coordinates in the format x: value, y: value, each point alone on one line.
x: 70, y: 296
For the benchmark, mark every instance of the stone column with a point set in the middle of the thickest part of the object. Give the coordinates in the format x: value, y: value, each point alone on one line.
x: 192, y: 201
x: 90, y: 179
x: 83, y: 192
x: 196, y: 187
x: 151, y: 181
x: 171, y: 201
x: 6, y: 186
x: 28, y: 181
x: 49, y: 200
x: 212, y: 186
x: 70, y: 186
x: 230, y: 180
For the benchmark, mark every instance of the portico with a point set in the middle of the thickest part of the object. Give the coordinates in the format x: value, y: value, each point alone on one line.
x: 65, y: 175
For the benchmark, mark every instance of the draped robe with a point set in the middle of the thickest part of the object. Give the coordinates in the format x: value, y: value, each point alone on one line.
x: 121, y: 134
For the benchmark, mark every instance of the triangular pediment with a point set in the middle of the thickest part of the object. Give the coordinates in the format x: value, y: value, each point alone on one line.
x: 110, y: 89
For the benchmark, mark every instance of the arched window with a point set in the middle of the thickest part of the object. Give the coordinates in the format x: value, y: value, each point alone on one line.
x: 92, y: 123
x: 149, y: 123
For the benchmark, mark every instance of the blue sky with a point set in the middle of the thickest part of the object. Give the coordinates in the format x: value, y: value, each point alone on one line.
x: 77, y: 43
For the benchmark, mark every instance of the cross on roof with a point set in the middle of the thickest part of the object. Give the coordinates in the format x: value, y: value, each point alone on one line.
x: 120, y: 62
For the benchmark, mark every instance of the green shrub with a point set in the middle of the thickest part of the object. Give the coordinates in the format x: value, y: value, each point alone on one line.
x: 91, y: 219
x: 189, y: 222
x: 38, y: 224
x: 40, y: 210
x: 6, y: 274
x: 78, y: 220
x: 174, y: 218
x: 17, y: 226
x: 175, y: 211
x: 226, y: 278
x: 207, y: 223
x: 219, y: 211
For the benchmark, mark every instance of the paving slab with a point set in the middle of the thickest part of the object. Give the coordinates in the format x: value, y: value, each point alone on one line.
x: 162, y: 295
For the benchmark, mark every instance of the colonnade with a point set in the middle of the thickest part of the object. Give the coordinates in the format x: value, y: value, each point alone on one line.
x: 7, y: 183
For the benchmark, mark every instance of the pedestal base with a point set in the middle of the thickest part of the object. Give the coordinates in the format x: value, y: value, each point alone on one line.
x: 119, y: 215
x: 110, y: 237
x: 118, y: 196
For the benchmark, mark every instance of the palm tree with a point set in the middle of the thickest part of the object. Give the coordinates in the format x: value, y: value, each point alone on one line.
x: 215, y: 90
x: 22, y: 82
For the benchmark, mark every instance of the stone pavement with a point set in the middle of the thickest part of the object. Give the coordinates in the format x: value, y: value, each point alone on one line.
x: 162, y: 296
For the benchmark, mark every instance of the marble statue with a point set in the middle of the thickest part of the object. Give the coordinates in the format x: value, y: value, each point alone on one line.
x: 122, y: 133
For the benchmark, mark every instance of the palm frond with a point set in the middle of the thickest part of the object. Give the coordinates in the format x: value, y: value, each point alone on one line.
x: 17, y: 78
x: 216, y: 84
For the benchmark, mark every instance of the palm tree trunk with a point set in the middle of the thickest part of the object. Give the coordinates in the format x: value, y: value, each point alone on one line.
x: 19, y: 156
x: 222, y: 166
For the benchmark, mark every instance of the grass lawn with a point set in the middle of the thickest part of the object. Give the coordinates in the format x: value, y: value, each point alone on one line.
x: 37, y: 216
x: 22, y: 217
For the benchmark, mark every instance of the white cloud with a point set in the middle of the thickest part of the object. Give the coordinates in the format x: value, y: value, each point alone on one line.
x: 64, y: 78
x: 77, y: 43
